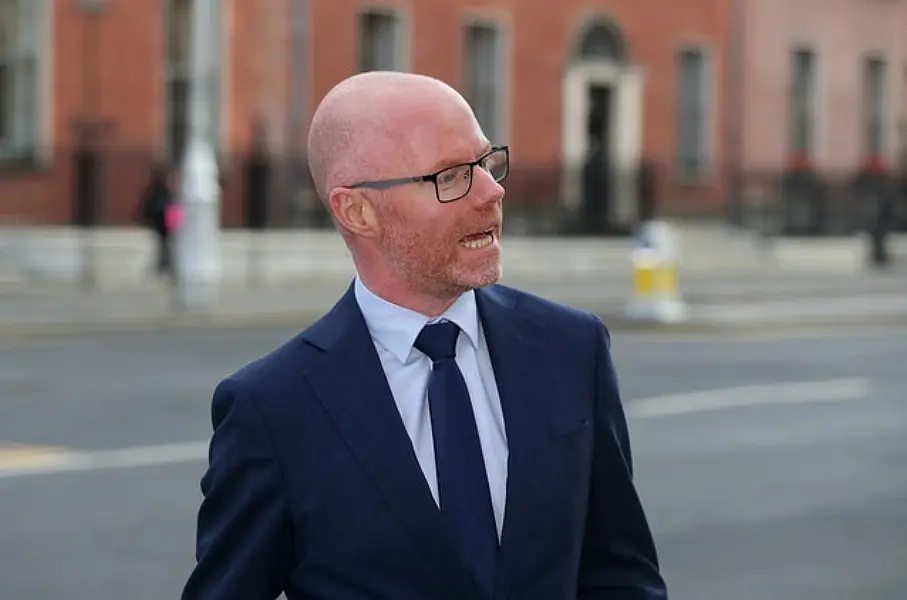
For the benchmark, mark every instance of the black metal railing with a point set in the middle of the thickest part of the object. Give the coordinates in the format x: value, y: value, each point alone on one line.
x: 104, y: 186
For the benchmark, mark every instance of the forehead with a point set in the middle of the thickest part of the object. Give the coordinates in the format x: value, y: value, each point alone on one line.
x: 441, y: 134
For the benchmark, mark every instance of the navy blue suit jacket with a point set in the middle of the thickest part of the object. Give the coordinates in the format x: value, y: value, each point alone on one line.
x: 313, y: 488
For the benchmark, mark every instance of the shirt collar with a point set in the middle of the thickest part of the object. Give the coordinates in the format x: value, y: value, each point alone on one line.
x: 396, y: 328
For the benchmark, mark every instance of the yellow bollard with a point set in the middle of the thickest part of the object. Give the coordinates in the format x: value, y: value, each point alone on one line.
x: 655, y: 295
x: 645, y: 268
x: 652, y: 275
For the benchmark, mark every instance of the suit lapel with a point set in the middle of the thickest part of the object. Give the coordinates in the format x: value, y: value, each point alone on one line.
x: 351, y: 385
x: 521, y: 362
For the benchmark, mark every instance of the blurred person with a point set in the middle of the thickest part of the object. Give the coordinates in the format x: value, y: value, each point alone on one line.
x: 435, y: 435
x: 162, y: 213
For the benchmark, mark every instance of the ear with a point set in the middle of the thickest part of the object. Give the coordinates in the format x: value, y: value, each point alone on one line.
x: 353, y: 211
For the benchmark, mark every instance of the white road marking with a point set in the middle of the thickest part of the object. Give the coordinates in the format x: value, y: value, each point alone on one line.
x: 52, y: 461
x: 806, y: 392
x: 123, y: 458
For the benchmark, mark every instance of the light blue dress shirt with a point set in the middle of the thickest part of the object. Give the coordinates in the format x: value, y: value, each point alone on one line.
x: 394, y: 330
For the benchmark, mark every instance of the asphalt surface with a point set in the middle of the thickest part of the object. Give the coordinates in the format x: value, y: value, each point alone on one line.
x: 787, y: 500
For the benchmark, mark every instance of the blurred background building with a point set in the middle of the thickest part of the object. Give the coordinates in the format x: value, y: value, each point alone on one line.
x: 769, y: 113
x: 824, y: 101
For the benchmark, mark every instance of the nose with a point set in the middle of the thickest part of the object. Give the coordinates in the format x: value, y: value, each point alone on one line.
x: 485, y: 188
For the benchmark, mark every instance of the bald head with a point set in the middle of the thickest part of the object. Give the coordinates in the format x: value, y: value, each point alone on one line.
x: 367, y: 125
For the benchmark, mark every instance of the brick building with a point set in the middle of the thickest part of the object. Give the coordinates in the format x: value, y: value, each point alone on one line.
x: 824, y: 87
x: 618, y: 80
x: 833, y: 75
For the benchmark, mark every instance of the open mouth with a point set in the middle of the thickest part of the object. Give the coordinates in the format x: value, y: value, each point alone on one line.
x: 479, y: 240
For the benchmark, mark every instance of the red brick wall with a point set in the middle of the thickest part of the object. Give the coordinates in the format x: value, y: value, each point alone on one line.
x: 541, y: 36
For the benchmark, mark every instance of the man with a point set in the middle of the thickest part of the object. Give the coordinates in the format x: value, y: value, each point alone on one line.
x: 434, y: 436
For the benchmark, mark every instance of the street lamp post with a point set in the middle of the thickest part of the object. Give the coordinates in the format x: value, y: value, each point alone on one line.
x: 198, y: 242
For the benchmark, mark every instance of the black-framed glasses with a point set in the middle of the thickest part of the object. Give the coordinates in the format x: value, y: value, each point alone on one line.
x: 455, y: 182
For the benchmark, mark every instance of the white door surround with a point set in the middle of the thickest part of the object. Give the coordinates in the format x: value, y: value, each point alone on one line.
x: 625, y: 141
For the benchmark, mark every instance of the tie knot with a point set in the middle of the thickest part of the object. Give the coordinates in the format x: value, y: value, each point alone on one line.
x: 438, y: 341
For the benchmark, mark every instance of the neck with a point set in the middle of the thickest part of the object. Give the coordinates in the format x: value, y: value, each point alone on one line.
x: 400, y: 295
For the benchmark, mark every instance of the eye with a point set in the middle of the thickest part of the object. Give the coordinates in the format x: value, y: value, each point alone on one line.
x: 446, y: 177
x: 453, y: 176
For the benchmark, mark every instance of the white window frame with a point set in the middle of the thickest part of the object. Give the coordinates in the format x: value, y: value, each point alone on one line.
x: 401, y: 36
x: 876, y: 111
x: 498, y: 76
x: 706, y: 106
x: 803, y: 108
x: 29, y: 134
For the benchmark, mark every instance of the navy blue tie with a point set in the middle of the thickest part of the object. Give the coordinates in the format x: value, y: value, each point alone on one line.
x: 462, y: 482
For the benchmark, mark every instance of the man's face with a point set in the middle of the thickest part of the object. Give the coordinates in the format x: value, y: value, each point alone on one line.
x: 444, y: 249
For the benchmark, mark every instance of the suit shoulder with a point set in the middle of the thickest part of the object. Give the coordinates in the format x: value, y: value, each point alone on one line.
x: 548, y: 312
x: 274, y: 370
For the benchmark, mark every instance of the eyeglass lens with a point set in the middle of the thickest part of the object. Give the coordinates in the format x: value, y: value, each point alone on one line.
x: 454, y: 183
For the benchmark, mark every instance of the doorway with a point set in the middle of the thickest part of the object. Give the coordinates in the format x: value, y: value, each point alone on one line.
x: 598, y: 165
x: 602, y: 130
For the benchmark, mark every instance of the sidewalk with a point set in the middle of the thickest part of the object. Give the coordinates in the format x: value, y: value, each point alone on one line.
x: 120, y: 257
x: 716, y: 300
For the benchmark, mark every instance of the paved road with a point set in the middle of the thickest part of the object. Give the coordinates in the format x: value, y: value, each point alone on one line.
x: 805, y: 499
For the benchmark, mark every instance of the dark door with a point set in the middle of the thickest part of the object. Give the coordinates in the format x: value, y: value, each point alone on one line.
x: 597, y: 169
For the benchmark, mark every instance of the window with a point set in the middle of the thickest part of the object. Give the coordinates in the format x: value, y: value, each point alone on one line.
x: 380, y: 47
x: 179, y: 38
x: 801, y: 127
x: 902, y: 123
x: 19, y: 35
x: 692, y: 113
x: 875, y: 106
x: 178, y: 74
x: 483, y: 75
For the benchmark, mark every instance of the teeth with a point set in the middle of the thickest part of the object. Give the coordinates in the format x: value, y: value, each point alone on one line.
x: 480, y: 242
